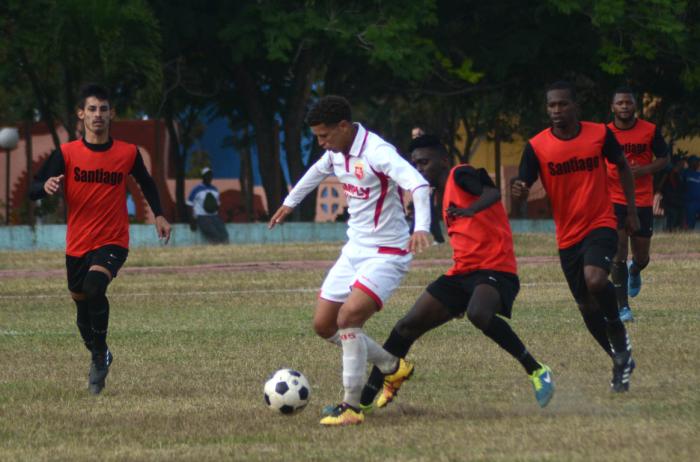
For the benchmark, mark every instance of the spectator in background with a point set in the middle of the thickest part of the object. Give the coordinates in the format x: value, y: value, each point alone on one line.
x: 204, y: 210
x: 416, y: 132
x: 671, y: 187
x: 691, y: 182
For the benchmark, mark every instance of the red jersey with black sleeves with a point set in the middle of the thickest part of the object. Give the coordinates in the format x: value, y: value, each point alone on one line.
x: 95, y: 192
x: 574, y: 175
x: 483, y: 241
x: 640, y: 143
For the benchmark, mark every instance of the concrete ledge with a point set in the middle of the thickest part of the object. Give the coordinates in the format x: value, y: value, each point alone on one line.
x: 52, y: 237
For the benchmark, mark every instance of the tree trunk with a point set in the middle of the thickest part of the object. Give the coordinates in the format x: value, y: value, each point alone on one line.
x: 29, y: 151
x: 266, y: 136
x: 178, y: 161
x: 294, y: 125
x: 497, y: 152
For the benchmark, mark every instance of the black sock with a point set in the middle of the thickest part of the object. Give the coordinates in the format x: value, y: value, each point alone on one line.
x: 372, y: 387
x: 84, y: 324
x: 500, y: 332
x: 595, y: 322
x: 619, y: 279
x: 615, y: 329
x: 99, y: 318
x: 398, y: 346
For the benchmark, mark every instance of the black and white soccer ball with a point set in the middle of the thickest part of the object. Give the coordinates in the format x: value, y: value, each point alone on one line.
x: 287, y: 391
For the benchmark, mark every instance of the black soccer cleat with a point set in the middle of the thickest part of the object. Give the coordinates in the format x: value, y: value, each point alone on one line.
x: 623, y: 366
x: 99, y: 368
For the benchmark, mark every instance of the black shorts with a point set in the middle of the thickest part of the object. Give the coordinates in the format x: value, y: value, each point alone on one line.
x: 455, y: 291
x: 597, y: 249
x: 111, y: 257
x: 646, y: 219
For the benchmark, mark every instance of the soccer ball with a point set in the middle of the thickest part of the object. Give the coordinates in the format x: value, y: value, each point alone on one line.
x: 287, y: 391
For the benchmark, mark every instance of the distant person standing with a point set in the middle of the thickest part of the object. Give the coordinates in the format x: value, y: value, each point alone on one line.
x: 691, y: 182
x: 92, y: 172
x: 646, y: 153
x: 671, y: 187
x: 569, y: 157
x: 204, y: 205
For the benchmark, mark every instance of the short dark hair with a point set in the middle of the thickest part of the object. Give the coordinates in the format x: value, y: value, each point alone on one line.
x: 624, y: 90
x: 563, y: 85
x: 430, y: 142
x: 329, y: 110
x: 92, y: 89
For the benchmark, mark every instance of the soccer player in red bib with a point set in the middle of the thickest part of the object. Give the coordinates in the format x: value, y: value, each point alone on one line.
x: 92, y: 173
x: 570, y: 157
x: 482, y: 282
x: 646, y: 153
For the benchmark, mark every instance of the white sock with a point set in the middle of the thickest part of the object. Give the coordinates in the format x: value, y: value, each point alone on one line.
x: 334, y: 339
x: 354, y: 363
x: 385, y: 361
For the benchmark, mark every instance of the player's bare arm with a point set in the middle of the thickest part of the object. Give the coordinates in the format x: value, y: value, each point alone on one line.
x: 279, y: 216
x: 627, y: 182
x: 656, y: 165
x: 488, y: 197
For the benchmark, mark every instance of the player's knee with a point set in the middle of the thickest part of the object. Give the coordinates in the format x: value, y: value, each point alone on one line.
x: 95, y: 285
x: 324, y: 329
x: 596, y: 282
x: 480, y: 318
x: 78, y: 296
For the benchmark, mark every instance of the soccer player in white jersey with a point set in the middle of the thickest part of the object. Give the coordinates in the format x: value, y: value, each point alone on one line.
x: 379, y: 248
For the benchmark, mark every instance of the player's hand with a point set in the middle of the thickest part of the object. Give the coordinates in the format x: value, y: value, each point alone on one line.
x: 53, y: 184
x: 632, y: 223
x: 163, y: 229
x: 637, y: 170
x: 519, y: 189
x: 459, y: 212
x: 279, y: 216
x: 420, y: 240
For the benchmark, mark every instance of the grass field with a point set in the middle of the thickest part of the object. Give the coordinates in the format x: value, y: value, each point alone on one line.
x: 193, y: 346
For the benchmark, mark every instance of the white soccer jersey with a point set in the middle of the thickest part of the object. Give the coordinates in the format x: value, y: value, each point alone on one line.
x: 373, y: 175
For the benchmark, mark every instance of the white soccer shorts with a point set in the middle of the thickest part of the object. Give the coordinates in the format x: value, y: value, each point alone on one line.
x: 377, y: 271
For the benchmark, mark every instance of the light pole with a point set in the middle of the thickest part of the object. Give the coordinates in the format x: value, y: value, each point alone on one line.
x: 9, y: 137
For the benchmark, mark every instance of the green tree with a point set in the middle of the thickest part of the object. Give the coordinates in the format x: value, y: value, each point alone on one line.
x: 55, y: 46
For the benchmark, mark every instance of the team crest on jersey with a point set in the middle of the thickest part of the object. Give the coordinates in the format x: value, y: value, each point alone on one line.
x: 359, y: 172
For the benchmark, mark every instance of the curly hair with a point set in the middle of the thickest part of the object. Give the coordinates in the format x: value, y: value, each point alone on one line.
x: 329, y: 110
x: 431, y: 142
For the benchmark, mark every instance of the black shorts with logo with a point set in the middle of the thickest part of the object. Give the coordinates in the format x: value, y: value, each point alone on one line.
x: 597, y: 249
x: 111, y: 257
x: 455, y: 291
x: 646, y: 219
